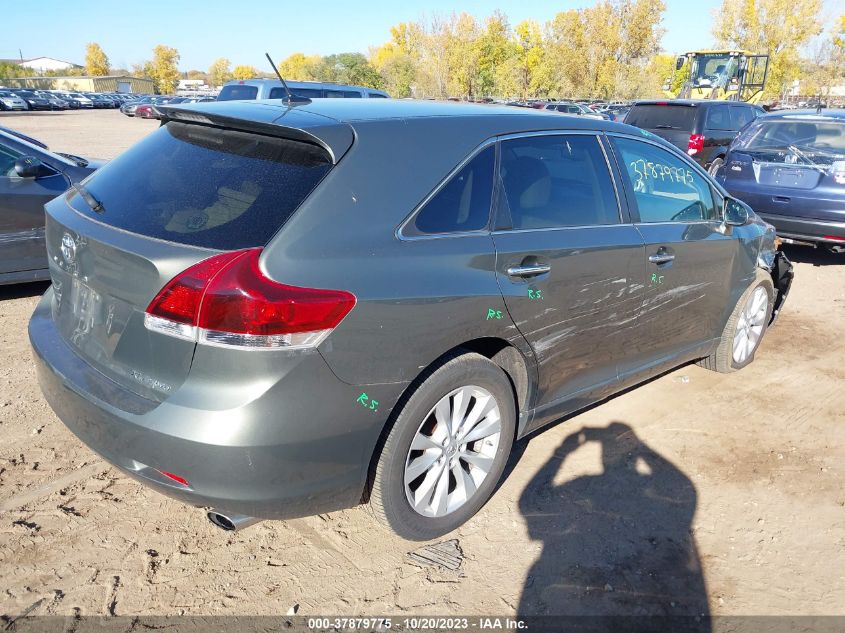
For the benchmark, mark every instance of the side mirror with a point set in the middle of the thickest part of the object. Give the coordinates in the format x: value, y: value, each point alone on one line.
x: 735, y: 213
x: 679, y: 63
x: 30, y: 167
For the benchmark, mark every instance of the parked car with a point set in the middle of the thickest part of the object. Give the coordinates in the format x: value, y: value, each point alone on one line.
x: 30, y: 176
x: 575, y: 108
x: 248, y: 89
x: 55, y: 102
x: 191, y: 339
x: 702, y: 128
x: 145, y: 111
x: 34, y: 101
x: 790, y: 167
x: 11, y: 101
x: 129, y: 107
x: 73, y: 103
x: 99, y: 101
x: 84, y: 102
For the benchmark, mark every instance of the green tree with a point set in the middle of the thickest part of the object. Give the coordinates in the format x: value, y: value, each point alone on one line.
x: 219, y: 72
x: 96, y: 62
x: 244, y: 72
x: 493, y: 51
x: 778, y: 28
x: 350, y: 68
x: 163, y: 69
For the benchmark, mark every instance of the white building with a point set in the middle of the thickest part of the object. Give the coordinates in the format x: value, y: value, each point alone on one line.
x: 43, y: 64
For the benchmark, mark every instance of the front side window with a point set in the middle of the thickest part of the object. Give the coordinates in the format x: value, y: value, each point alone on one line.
x: 8, y: 156
x: 556, y: 181
x: 463, y: 203
x: 666, y: 188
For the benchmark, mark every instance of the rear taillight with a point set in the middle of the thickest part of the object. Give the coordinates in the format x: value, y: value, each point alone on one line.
x: 696, y: 144
x: 227, y: 300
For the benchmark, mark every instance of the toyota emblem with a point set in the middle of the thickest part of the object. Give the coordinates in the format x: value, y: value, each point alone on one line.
x: 68, y: 248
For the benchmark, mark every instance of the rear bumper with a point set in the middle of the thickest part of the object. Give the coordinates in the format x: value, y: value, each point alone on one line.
x: 806, y: 229
x: 300, y: 447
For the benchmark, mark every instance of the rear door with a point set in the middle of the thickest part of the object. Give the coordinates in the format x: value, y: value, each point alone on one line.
x: 689, y: 263
x: 22, y: 203
x: 567, y: 263
x: 719, y: 130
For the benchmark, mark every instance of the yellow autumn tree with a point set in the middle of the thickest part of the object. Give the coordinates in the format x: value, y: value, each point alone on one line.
x: 163, y: 69
x: 96, y: 61
x: 301, y: 67
x: 778, y: 28
x: 244, y: 72
x: 219, y: 72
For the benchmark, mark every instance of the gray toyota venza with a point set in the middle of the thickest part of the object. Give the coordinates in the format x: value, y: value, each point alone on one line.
x: 275, y: 310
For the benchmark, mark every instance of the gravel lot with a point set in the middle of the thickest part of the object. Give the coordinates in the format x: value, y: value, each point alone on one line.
x: 695, y: 493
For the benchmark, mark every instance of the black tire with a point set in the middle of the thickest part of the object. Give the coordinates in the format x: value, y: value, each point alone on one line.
x: 714, y: 166
x: 722, y: 359
x: 388, y: 501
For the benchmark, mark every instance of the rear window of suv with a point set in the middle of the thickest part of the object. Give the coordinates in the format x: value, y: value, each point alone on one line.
x: 204, y: 186
x: 662, y: 117
x: 237, y: 93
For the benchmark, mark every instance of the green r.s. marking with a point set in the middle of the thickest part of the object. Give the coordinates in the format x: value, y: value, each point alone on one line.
x: 493, y: 314
x: 536, y: 295
x: 655, y: 279
x: 368, y: 403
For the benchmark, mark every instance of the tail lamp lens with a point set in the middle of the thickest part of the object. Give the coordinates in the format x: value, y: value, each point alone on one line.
x: 696, y: 144
x: 226, y: 300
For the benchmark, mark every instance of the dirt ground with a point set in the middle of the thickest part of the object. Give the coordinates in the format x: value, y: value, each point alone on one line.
x: 695, y: 493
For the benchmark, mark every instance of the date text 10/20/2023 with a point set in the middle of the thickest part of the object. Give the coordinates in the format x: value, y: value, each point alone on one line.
x: 416, y: 624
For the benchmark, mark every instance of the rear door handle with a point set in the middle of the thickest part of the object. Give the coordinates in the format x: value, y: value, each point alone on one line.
x: 661, y: 258
x: 531, y: 270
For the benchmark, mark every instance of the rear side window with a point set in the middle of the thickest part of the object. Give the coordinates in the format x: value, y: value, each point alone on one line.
x: 555, y: 181
x: 666, y: 189
x: 463, y: 203
x: 740, y: 115
x: 351, y: 94
x: 718, y: 118
x: 375, y: 95
x: 204, y: 186
x: 237, y: 92
x: 662, y: 117
x: 311, y: 93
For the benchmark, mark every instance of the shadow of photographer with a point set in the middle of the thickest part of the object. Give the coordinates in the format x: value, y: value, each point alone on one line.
x: 614, y: 544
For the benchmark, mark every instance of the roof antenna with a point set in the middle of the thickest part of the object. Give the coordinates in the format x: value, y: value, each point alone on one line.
x: 290, y: 98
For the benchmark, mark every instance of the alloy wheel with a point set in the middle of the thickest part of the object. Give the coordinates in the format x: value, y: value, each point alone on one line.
x: 750, y: 326
x: 452, y: 451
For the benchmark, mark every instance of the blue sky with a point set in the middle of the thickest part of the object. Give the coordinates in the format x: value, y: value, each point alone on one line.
x: 242, y: 31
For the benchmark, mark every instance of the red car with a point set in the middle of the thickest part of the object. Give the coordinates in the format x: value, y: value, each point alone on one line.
x: 145, y: 111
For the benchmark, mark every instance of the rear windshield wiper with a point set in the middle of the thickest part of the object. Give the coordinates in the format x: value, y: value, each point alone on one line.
x: 809, y: 162
x: 666, y: 127
x: 90, y: 200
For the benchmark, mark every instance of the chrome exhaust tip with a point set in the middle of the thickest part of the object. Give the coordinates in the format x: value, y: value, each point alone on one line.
x: 229, y: 521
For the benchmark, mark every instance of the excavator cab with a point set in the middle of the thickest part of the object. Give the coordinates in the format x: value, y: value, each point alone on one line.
x: 725, y: 75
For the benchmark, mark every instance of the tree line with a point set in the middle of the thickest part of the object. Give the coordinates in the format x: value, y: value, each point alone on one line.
x: 608, y: 50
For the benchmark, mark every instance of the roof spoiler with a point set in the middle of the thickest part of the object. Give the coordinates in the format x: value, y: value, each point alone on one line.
x: 335, y: 138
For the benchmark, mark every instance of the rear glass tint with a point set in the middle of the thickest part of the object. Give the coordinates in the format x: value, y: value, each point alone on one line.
x: 204, y: 186
x: 662, y: 117
x: 237, y: 92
